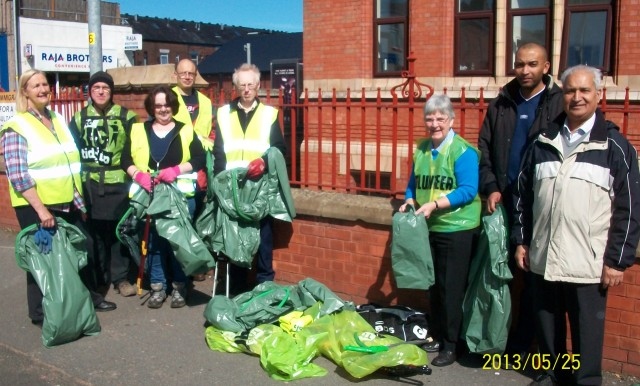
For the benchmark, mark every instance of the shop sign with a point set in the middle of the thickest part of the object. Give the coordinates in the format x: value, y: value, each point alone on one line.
x: 133, y: 42
x: 67, y: 59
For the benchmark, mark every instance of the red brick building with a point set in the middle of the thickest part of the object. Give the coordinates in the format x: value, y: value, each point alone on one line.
x: 464, y: 44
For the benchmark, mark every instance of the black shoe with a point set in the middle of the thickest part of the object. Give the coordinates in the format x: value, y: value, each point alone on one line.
x: 445, y: 358
x: 543, y: 380
x: 105, y: 306
x: 433, y: 346
x: 37, y: 322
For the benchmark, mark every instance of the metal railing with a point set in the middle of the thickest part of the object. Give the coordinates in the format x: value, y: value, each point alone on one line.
x: 360, y: 143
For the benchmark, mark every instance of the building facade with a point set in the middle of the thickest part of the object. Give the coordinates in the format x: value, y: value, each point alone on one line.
x: 465, y: 43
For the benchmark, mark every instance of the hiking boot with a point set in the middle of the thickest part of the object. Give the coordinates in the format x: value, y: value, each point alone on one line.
x: 157, y: 296
x: 178, y: 295
x: 125, y: 288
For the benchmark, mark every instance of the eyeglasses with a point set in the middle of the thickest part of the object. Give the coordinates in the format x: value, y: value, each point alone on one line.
x: 186, y: 74
x: 161, y: 106
x: 250, y: 86
x: 104, y: 89
x: 439, y: 121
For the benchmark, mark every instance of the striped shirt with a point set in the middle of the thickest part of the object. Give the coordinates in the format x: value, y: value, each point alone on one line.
x: 15, y: 149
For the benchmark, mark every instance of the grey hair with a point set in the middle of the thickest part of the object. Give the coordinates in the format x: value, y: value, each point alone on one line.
x: 596, y: 73
x: 246, y: 67
x: 439, y: 103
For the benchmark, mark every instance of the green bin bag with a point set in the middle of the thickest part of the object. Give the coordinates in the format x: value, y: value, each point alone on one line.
x: 171, y: 218
x: 487, y: 303
x: 230, y: 220
x: 267, y: 302
x: 67, y: 306
x: 411, y: 252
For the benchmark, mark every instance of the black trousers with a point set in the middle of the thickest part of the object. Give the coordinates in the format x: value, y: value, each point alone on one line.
x: 452, y: 254
x: 27, y: 216
x: 239, y: 276
x: 113, y: 261
x: 585, y: 304
x: 523, y: 332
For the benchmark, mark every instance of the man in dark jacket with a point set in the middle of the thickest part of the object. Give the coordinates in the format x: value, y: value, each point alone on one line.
x: 100, y: 130
x: 525, y: 106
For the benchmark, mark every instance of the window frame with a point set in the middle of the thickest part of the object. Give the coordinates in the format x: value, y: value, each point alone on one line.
x: 163, y: 53
x: 377, y: 22
x: 609, y: 43
x: 511, y: 13
x: 490, y: 15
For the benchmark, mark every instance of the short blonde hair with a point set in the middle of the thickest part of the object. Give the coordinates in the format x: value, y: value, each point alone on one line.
x: 21, y: 96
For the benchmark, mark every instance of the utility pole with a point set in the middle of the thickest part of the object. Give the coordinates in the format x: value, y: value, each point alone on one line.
x: 247, y: 47
x: 16, y: 41
x: 95, y: 36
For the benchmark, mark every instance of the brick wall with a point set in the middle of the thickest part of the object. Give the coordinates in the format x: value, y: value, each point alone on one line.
x: 352, y: 258
x: 629, y: 44
x: 622, y: 327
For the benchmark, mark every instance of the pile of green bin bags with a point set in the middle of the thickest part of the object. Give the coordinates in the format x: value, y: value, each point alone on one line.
x: 67, y: 306
x: 487, y: 303
x: 230, y: 220
x: 289, y: 326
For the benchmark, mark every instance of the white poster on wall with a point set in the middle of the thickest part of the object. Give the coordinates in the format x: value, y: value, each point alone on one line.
x: 7, y: 106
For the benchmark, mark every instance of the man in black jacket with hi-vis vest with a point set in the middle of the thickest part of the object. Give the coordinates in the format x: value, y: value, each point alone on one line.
x: 100, y: 130
x: 246, y: 129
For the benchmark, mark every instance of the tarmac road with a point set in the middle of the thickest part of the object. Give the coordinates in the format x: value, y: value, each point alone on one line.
x: 141, y: 346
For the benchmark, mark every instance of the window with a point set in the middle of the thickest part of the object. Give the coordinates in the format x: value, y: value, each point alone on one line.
x: 145, y: 58
x: 587, y: 34
x: 529, y: 21
x: 474, y: 30
x: 390, y: 37
x: 164, y: 56
x: 194, y: 57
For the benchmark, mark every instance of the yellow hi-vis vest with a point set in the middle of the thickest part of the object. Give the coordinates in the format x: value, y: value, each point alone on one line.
x: 53, y: 163
x: 202, y: 125
x: 243, y: 147
x: 141, y: 154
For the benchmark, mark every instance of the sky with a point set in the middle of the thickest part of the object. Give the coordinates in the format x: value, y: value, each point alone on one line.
x: 280, y: 15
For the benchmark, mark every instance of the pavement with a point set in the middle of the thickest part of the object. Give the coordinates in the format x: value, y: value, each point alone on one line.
x: 141, y: 346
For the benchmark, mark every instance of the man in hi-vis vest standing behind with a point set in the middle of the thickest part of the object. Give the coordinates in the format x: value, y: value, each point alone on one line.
x: 194, y: 109
x: 245, y: 129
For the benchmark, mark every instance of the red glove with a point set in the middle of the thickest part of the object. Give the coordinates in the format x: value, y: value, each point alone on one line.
x: 201, y: 180
x: 143, y: 179
x: 255, y: 168
x: 169, y: 175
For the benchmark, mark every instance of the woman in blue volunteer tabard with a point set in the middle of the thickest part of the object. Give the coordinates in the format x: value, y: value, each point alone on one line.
x: 172, y: 149
x: 444, y: 188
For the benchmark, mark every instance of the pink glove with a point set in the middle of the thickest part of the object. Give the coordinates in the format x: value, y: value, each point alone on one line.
x: 143, y: 179
x: 169, y: 175
x: 255, y: 168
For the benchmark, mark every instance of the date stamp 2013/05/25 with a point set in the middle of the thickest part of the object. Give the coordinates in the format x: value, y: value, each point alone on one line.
x: 535, y: 361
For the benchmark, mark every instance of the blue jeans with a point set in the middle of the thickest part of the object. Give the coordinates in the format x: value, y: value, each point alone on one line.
x: 161, y: 257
